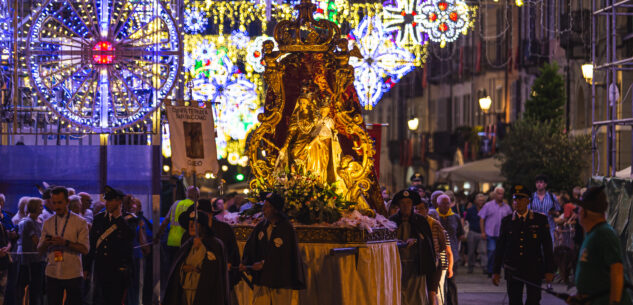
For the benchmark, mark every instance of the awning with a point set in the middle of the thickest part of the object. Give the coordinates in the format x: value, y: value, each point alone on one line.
x: 625, y: 173
x: 486, y: 170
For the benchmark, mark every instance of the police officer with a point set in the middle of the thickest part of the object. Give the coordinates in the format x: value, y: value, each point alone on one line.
x: 111, y: 238
x: 525, y: 250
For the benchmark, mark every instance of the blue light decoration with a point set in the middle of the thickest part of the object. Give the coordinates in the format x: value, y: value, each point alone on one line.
x: 195, y: 21
x: 444, y: 20
x: 217, y: 79
x: 240, y: 39
x: 383, y: 63
x: 103, y: 65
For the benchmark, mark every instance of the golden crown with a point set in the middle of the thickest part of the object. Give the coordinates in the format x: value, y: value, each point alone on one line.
x: 306, y: 34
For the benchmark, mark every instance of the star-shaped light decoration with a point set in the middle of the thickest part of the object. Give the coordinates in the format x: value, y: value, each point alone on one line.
x: 255, y: 53
x: 404, y: 18
x: 383, y: 63
x: 195, y: 21
x: 444, y: 20
x: 240, y: 39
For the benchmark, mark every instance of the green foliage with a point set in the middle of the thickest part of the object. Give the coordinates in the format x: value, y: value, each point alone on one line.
x: 531, y: 148
x: 547, y: 97
x: 306, y: 199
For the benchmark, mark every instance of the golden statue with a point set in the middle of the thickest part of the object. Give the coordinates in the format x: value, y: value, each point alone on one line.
x: 312, y: 117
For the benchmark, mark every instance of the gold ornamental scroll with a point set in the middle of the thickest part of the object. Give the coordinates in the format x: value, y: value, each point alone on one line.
x: 312, y: 118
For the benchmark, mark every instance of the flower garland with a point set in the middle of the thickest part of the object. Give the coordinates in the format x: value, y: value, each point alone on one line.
x: 307, y: 200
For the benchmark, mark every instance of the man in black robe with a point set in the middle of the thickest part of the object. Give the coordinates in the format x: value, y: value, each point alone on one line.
x: 225, y: 233
x: 273, y: 254
x: 418, y: 256
x: 199, y: 275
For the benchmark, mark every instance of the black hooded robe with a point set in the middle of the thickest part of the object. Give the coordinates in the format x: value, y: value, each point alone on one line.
x: 213, y: 286
x: 283, y: 265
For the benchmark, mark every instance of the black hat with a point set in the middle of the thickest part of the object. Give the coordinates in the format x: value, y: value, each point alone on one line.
x: 414, y: 196
x: 276, y: 200
x: 594, y: 199
x: 541, y: 177
x: 110, y: 193
x: 519, y: 191
x: 184, y: 218
x: 417, y: 177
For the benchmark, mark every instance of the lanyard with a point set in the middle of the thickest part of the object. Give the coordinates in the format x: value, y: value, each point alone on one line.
x: 65, y: 223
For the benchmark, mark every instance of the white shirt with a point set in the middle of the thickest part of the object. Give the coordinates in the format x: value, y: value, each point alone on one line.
x: 76, y: 232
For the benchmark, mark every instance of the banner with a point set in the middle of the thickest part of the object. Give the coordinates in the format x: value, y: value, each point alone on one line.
x: 192, y: 138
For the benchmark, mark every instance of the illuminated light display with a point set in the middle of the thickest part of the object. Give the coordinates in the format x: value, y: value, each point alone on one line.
x: 445, y: 20
x: 240, y: 39
x: 104, y: 53
x: 103, y: 65
x: 404, y: 18
x: 255, y: 54
x: 195, y: 21
x: 383, y: 63
x: 216, y: 78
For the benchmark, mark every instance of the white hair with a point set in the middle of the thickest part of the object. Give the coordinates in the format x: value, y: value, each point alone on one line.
x: 499, y: 188
x: 443, y: 196
x: 4, y: 199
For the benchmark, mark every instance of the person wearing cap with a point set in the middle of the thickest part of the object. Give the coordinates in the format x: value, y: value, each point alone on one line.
x: 199, y: 274
x: 272, y: 255
x: 111, y: 245
x: 416, y: 179
x: 48, y: 210
x: 600, y: 273
x: 545, y: 202
x: 524, y: 250
x: 442, y: 253
x: 225, y: 233
x: 64, y: 239
x: 418, y: 256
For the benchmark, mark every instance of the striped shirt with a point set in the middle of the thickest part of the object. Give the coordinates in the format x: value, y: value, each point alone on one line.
x: 548, y: 203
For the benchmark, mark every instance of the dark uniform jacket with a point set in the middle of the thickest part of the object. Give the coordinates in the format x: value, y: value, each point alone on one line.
x: 114, y: 252
x: 422, y: 231
x: 525, y: 247
x: 283, y: 266
x: 225, y: 233
x: 213, y: 285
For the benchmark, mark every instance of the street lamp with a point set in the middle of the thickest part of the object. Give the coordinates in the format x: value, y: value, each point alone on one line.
x: 587, y: 72
x: 485, y: 102
x: 413, y: 124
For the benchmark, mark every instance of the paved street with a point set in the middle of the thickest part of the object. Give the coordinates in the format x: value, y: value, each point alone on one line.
x: 477, y: 288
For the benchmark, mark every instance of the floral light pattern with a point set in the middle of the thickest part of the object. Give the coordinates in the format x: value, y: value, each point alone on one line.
x: 444, y: 20
x: 404, y: 17
x: 383, y: 63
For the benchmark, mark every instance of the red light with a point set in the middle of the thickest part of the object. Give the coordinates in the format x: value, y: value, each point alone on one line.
x: 103, y: 54
x: 443, y: 27
x: 443, y: 6
x: 453, y: 16
x: 433, y: 17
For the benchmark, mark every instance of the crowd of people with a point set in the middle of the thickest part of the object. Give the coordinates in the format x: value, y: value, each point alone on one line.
x: 538, y: 236
x: 63, y: 248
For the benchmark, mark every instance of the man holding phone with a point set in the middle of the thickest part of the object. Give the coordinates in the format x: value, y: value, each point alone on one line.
x: 64, y: 239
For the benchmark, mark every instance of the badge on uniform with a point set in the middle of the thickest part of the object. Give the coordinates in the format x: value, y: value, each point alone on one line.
x: 278, y: 242
x: 261, y: 235
x: 59, y: 256
x: 210, y: 256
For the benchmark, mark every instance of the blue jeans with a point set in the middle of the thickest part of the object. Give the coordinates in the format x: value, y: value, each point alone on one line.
x: 491, y: 245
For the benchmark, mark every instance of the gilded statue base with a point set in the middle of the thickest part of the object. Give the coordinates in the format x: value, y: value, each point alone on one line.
x: 327, y: 234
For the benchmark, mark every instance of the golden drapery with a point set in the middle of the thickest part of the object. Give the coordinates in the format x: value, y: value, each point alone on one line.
x: 372, y: 278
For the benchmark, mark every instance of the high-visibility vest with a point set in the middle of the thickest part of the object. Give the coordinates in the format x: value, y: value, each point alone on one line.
x: 176, y: 232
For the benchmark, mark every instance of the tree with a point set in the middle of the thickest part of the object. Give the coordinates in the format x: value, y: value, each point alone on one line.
x: 547, y: 97
x: 531, y: 148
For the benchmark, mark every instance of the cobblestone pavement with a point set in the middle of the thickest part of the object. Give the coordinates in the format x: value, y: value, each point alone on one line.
x: 477, y: 288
